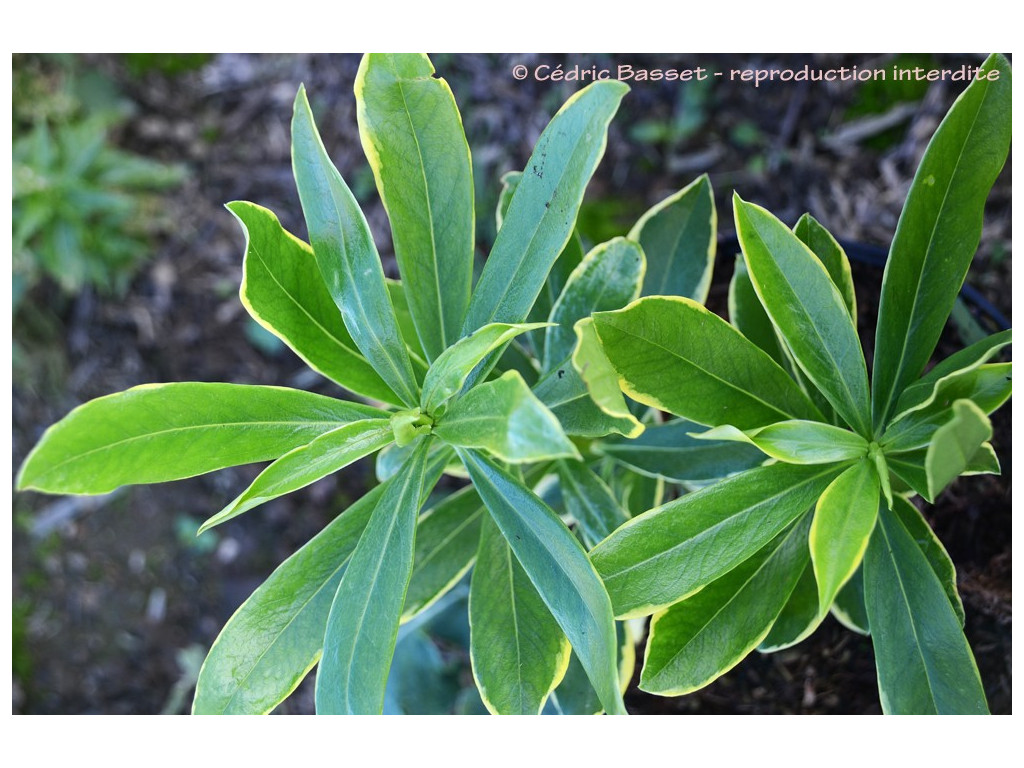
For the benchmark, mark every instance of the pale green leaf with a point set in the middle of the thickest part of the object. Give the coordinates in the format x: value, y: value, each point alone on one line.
x: 158, y: 432
x: 284, y: 292
x: 305, y: 465
x: 955, y: 445
x: 506, y: 419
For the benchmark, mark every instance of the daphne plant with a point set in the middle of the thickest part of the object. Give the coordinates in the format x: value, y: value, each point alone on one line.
x: 756, y: 561
x: 483, y: 382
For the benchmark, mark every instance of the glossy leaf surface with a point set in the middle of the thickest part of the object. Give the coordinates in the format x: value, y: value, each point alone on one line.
x: 566, y: 395
x: 843, y: 520
x: 799, y: 616
x: 590, y: 501
x: 348, y: 260
x: 542, y: 213
x: 298, y: 468
x: 673, y: 354
x: 284, y: 292
x: 505, y: 418
x: 924, y: 663
x: 807, y: 309
x: 938, y: 233
x: 832, y: 256
x: 600, y: 378
x: 559, y: 569
x: 609, y: 277
x: 159, y: 432
x: 665, y: 555
x: 679, y: 236
x: 698, y: 639
x: 518, y: 651
x: 412, y: 135
x: 797, y: 442
x: 933, y: 551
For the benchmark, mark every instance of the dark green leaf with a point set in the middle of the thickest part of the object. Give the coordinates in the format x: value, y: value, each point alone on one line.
x: 749, y: 317
x: 669, y: 451
x: 671, y: 552
x: 609, y: 277
x: 924, y: 663
x: 831, y: 255
x: 348, y: 260
x: 849, y: 607
x: 673, y: 354
x: 679, y: 237
x: 700, y: 638
x: 799, y: 616
x: 938, y: 233
x: 589, y: 500
x: 559, y: 569
x: 805, y: 306
x: 363, y: 623
x: 933, y: 550
x: 518, y: 651
x: 566, y: 395
x: 412, y: 135
x: 542, y: 213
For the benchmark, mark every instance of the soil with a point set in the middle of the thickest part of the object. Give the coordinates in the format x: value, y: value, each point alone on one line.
x: 114, y: 599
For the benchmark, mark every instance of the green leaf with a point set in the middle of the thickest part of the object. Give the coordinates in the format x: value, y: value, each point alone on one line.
x: 669, y: 451
x: 505, y: 418
x: 601, y: 380
x: 987, y: 386
x: 700, y: 638
x: 451, y: 369
x: 799, y: 616
x: 609, y: 277
x: 159, y: 432
x: 843, y: 520
x: 669, y: 553
x: 849, y: 608
x: 805, y: 306
x: 305, y: 465
x: 407, y: 426
x: 832, y: 257
x: 673, y: 354
x: 396, y: 291
x: 276, y: 636
x: 955, y: 444
x: 933, y: 551
x: 542, y: 213
x: 748, y: 316
x: 925, y: 389
x: 938, y: 233
x: 518, y: 651
x: 559, y: 569
x: 924, y: 663
x: 575, y: 695
x: 566, y: 395
x: 283, y: 291
x: 984, y: 462
x: 797, y: 442
x: 447, y: 536
x: 412, y: 135
x: 679, y: 237
x: 363, y: 623
x: 348, y: 260
x: 590, y: 501
x: 637, y: 493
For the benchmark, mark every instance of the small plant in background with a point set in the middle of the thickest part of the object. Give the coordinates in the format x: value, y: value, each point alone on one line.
x: 756, y: 561
x: 79, y: 205
x: 484, y: 382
